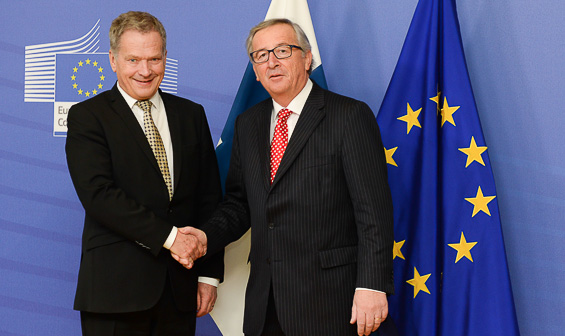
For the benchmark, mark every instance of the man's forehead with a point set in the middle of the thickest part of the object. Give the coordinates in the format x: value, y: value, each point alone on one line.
x: 136, y: 41
x: 273, y: 36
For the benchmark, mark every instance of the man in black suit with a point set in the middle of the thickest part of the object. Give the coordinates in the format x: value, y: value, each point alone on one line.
x: 321, y: 218
x: 143, y: 166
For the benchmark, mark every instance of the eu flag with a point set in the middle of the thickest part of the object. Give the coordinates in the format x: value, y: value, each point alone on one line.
x: 451, y: 275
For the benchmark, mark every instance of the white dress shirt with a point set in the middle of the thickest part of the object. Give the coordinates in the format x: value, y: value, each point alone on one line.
x: 296, y: 106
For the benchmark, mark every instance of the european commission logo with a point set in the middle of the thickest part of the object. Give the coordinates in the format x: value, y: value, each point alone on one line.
x: 81, y: 76
x: 65, y: 73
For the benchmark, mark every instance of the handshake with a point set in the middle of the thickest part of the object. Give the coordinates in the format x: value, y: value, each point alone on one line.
x: 189, y: 245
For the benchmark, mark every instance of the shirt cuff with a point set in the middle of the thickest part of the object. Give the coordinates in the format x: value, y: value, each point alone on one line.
x: 372, y: 290
x: 171, y: 239
x: 209, y: 281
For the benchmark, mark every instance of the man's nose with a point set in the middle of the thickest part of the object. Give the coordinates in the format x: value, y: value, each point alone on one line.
x: 144, y: 69
x: 273, y: 60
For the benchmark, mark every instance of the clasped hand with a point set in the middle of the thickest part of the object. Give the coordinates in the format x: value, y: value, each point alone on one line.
x: 189, y: 245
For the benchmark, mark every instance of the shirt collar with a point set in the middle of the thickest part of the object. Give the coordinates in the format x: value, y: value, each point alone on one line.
x: 155, y: 100
x: 297, y: 104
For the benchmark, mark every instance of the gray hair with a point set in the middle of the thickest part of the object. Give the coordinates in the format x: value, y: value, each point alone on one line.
x: 300, y: 36
x: 140, y: 21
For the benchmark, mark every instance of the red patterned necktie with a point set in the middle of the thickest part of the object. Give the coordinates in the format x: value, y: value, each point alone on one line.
x: 280, y: 140
x: 156, y: 143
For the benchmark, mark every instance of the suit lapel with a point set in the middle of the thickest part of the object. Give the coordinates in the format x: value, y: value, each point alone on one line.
x: 309, y: 119
x: 175, y: 131
x: 120, y: 106
x: 264, y: 140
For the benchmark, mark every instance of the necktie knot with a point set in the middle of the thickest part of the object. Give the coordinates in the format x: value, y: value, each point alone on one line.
x: 284, y: 114
x: 145, y: 105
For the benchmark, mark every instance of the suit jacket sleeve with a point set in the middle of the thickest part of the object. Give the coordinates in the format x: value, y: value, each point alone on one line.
x: 209, y: 195
x: 231, y: 219
x: 365, y: 171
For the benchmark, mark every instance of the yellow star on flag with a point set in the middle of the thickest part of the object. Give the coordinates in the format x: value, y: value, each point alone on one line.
x: 436, y: 100
x: 75, y: 85
x: 80, y: 63
x: 480, y: 202
x: 87, y: 93
x: 102, y: 77
x: 100, y: 85
x: 75, y: 69
x: 95, y: 63
x: 396, y: 250
x: 463, y: 248
x: 80, y: 91
x: 389, y: 153
x: 447, y: 112
x: 411, y: 118
x: 474, y: 152
x: 100, y: 69
x: 419, y: 282
x: 87, y: 61
x: 73, y: 77
x: 94, y: 92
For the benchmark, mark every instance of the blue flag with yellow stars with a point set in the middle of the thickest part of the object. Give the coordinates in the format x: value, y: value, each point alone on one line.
x: 450, y: 270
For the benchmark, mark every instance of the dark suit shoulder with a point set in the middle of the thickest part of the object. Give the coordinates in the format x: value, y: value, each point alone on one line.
x: 167, y: 97
x: 332, y: 98
x: 182, y: 107
x: 338, y: 107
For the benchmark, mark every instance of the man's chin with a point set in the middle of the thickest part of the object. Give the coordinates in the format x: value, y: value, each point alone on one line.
x: 145, y: 92
x: 276, y: 85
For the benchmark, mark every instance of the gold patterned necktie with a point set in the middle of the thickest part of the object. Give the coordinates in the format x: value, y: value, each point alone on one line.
x: 156, y: 143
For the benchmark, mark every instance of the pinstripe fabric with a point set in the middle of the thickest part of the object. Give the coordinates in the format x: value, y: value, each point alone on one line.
x: 323, y: 228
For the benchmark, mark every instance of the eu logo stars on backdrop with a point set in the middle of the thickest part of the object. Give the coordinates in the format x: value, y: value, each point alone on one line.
x: 86, y: 77
x: 79, y: 76
x: 451, y: 276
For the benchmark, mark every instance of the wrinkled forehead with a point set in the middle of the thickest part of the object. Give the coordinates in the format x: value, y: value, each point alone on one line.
x: 273, y: 36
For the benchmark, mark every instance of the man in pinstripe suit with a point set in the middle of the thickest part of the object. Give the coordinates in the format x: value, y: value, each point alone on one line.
x: 322, y: 229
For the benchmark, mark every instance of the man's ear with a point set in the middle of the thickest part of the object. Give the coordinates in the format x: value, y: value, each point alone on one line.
x: 255, y: 71
x: 308, y: 62
x: 112, y: 60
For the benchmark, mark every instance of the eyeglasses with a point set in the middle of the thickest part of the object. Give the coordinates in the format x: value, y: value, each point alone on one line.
x: 280, y: 52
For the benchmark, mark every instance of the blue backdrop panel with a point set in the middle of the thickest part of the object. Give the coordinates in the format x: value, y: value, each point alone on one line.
x: 514, y: 53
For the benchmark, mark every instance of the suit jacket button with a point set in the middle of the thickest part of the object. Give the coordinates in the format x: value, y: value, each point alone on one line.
x: 271, y: 226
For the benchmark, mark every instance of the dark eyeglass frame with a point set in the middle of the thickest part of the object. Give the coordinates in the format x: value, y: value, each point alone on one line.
x: 269, y: 51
